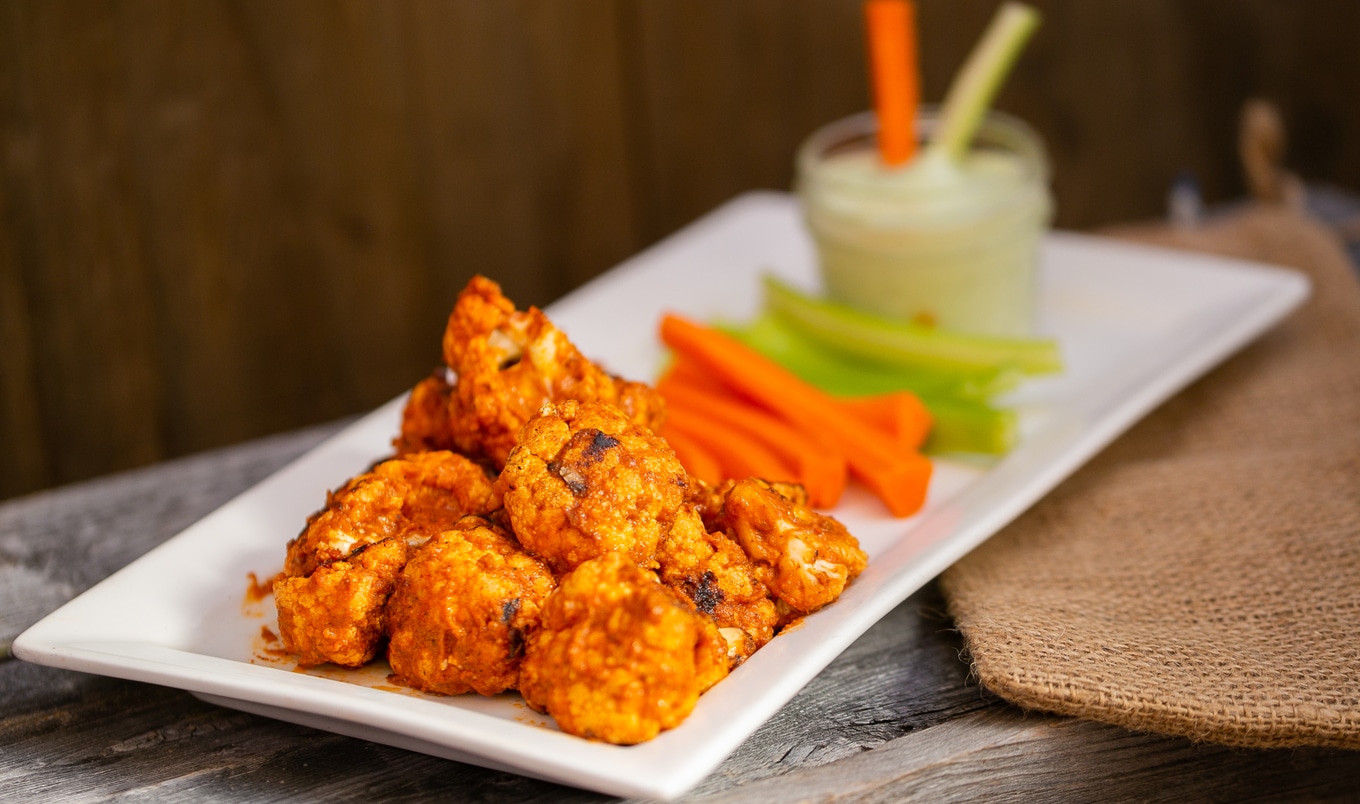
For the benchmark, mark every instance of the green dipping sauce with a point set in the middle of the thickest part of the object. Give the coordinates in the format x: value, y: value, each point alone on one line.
x: 954, y: 245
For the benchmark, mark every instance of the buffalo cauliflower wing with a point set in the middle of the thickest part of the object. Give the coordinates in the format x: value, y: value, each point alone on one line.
x: 461, y: 608
x: 336, y: 614
x: 440, y: 489
x: 805, y: 558
x: 619, y: 657
x: 411, y: 497
x: 584, y: 480
x: 339, y: 572
x: 713, y: 572
x: 508, y: 363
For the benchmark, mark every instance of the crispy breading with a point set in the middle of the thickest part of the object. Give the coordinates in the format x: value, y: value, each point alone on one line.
x: 805, y: 558
x: 411, y: 497
x: 509, y: 363
x: 585, y: 480
x: 619, y: 657
x: 363, y: 511
x: 461, y: 609
x: 336, y: 614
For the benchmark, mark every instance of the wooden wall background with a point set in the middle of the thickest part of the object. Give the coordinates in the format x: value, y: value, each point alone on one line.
x: 226, y: 218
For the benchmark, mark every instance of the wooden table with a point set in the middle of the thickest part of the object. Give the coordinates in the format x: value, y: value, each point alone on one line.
x: 895, y: 717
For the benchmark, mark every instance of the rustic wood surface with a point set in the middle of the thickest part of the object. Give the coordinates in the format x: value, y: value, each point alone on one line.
x: 894, y: 718
x: 226, y: 218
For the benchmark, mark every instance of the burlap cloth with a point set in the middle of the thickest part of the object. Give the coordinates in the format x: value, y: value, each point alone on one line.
x: 1201, y: 576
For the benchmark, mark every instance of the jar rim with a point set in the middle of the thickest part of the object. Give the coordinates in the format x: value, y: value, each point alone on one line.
x: 997, y: 131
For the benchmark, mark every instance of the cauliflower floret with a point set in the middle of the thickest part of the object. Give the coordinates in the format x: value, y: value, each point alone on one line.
x: 509, y: 363
x: 618, y: 656
x: 805, y: 558
x: 439, y: 489
x: 713, y: 572
x: 708, y: 499
x: 584, y: 481
x: 364, y: 511
x: 409, y: 497
x: 461, y: 608
x: 425, y: 418
x: 339, y: 572
x: 336, y: 614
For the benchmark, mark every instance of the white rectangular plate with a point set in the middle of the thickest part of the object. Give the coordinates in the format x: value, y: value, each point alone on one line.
x: 1135, y: 324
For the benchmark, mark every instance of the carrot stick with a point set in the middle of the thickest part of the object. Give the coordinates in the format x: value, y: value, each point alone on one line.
x: 897, y: 478
x: 822, y: 472
x: 900, y: 414
x: 737, y: 453
x: 905, y: 422
x: 891, y: 28
x: 696, y: 459
x: 901, y: 485
x: 692, y: 375
x: 753, y: 375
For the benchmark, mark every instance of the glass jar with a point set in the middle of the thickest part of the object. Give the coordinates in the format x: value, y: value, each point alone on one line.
x: 952, y: 245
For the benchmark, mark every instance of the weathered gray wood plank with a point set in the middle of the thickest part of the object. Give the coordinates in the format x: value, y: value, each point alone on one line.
x: 56, y: 544
x: 1001, y: 754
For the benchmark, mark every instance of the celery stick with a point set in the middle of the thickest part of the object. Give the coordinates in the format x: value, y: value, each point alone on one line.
x: 886, y: 341
x: 964, y: 422
x: 842, y: 375
x: 976, y: 84
x: 968, y: 426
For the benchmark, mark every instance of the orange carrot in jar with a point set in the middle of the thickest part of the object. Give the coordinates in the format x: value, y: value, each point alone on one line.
x: 895, y: 76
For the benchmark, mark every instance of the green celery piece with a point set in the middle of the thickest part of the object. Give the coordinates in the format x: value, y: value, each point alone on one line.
x: 963, y: 425
x: 963, y: 421
x: 887, y: 341
x: 841, y: 375
x: 972, y: 91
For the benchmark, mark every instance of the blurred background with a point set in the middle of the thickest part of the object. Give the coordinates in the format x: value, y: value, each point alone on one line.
x: 228, y: 218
